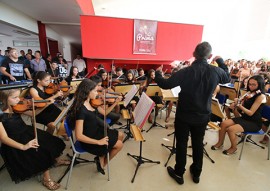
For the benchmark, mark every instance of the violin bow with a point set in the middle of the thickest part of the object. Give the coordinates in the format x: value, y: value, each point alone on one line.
x: 106, y: 134
x: 34, y: 120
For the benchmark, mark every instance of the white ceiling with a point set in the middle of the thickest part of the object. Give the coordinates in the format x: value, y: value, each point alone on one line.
x: 232, y: 26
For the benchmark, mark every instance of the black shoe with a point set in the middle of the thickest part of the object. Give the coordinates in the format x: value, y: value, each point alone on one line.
x: 177, y: 178
x: 99, y: 168
x: 196, y: 179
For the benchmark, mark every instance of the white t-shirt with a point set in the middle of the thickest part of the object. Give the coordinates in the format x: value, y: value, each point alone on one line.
x: 80, y: 64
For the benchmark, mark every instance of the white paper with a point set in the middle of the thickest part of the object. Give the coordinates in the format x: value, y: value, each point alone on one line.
x: 130, y: 95
x: 143, y: 110
x: 176, y: 91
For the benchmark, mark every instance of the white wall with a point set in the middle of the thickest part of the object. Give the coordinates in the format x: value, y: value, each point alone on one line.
x: 235, y: 28
x: 16, y: 18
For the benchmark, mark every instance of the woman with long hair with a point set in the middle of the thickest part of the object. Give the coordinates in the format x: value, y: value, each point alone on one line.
x: 89, y: 128
x: 250, y: 110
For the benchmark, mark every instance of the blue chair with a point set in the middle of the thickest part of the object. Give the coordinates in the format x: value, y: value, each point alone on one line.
x: 265, y: 115
x: 77, y: 151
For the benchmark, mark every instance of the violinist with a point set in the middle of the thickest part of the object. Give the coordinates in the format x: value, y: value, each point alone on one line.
x: 250, y: 107
x: 54, y: 70
x: 119, y: 74
x: 47, y: 115
x: 23, y: 154
x: 130, y: 79
x: 73, y: 75
x: 102, y: 73
x: 156, y: 99
x: 113, y: 115
x: 89, y: 129
x: 141, y: 76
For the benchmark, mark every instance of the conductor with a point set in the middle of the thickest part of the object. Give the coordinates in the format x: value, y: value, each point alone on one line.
x: 197, y: 83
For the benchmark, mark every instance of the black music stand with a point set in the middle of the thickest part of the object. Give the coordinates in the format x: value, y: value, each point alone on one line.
x: 154, y: 90
x: 172, y: 148
x: 145, y: 102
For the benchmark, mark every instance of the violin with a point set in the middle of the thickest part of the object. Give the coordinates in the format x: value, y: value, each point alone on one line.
x: 52, y: 87
x: 247, y: 96
x: 26, y: 104
x: 99, y: 101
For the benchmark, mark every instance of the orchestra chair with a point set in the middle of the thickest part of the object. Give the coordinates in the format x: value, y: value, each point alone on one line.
x: 265, y: 116
x: 77, y: 151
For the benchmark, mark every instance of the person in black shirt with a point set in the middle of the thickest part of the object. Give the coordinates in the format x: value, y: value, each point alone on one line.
x: 197, y: 83
x: 13, y: 68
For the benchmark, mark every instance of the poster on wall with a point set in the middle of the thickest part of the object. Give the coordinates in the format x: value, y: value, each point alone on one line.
x: 145, y: 33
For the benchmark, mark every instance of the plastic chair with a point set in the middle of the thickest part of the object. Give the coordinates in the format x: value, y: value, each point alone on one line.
x: 77, y: 150
x: 266, y: 115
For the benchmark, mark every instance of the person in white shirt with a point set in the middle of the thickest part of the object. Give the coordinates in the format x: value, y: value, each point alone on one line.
x: 80, y: 64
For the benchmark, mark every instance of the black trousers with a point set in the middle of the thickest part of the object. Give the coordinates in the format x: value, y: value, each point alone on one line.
x: 182, y: 132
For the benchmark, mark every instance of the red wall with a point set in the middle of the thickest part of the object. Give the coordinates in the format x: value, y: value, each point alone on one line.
x: 112, y: 39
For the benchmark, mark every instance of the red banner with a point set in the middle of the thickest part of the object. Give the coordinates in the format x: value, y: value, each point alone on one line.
x: 145, y: 34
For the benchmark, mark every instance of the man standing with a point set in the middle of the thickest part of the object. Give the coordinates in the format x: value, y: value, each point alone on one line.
x: 197, y: 83
x: 13, y: 68
x: 80, y: 64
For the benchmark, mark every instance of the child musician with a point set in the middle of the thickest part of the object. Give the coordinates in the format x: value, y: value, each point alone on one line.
x: 89, y: 128
x: 25, y: 155
x: 47, y: 115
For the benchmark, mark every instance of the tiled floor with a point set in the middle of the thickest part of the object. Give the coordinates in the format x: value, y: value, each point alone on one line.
x: 227, y: 173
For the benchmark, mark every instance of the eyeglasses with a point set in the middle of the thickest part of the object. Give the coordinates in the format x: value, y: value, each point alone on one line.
x: 252, y: 85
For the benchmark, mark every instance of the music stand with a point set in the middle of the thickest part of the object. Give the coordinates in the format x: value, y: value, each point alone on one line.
x: 74, y: 84
x: 127, y: 113
x: 154, y: 90
x: 124, y: 89
x: 228, y: 91
x: 140, y: 118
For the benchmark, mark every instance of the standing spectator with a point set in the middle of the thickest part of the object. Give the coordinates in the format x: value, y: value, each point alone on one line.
x: 14, y: 69
x: 29, y: 51
x: 22, y: 57
x: 38, y: 64
x: 62, y: 65
x: 194, y: 108
x: 80, y: 64
x: 2, y: 58
x: 48, y: 61
x: 27, y: 62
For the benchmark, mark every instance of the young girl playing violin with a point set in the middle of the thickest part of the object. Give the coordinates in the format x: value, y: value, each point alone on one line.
x: 89, y: 128
x: 25, y: 155
x: 250, y: 120
x: 113, y: 115
x: 73, y: 74
x: 47, y: 115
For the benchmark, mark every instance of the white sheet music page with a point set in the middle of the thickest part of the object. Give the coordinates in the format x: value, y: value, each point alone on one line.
x: 130, y: 95
x: 143, y: 110
x: 176, y: 91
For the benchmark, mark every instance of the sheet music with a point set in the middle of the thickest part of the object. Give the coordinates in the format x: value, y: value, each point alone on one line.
x: 130, y: 95
x: 176, y: 91
x: 143, y: 110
